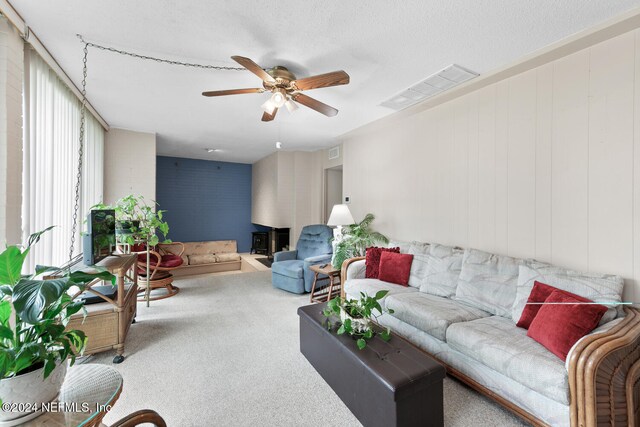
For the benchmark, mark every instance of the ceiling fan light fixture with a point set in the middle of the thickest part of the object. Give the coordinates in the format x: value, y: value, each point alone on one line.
x: 291, y: 106
x: 268, y: 106
x: 278, y: 98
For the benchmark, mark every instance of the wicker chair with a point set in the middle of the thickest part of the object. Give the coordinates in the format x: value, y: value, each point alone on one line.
x: 161, y: 262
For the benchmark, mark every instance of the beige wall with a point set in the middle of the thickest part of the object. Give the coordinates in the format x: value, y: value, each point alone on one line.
x: 11, y: 70
x: 271, y: 197
x: 129, y: 164
x: 286, y: 191
x: 544, y: 164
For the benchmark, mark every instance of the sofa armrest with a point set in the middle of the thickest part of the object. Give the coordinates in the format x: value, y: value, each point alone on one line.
x: 318, y: 259
x: 604, y: 375
x: 352, y: 268
x: 284, y: 256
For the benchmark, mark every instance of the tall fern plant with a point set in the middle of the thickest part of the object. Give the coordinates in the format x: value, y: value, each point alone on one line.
x: 355, y: 239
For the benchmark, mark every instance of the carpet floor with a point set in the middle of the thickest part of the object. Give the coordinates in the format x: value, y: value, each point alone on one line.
x: 224, y: 352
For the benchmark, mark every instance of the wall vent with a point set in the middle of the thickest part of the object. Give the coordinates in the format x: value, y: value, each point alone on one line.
x: 334, y: 152
x: 439, y: 82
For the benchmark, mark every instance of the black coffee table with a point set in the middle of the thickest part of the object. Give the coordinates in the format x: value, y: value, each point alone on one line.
x: 385, y: 384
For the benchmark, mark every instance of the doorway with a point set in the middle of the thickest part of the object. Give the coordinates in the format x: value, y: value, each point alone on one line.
x: 332, y: 189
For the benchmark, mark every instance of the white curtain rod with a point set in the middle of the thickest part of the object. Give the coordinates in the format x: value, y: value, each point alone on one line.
x: 28, y: 35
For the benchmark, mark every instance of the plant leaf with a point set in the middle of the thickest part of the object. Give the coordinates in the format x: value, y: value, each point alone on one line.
x: 31, y: 297
x: 44, y: 269
x: 381, y: 294
x: 361, y: 343
x: 5, y: 311
x: 6, y: 333
x: 49, y: 365
x: 35, y: 237
x: 82, y: 278
x: 11, y: 261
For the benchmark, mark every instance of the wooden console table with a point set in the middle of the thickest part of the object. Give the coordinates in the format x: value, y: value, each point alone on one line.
x: 107, y: 323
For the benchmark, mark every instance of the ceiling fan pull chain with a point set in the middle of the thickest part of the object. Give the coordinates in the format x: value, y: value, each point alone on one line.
x: 76, y: 206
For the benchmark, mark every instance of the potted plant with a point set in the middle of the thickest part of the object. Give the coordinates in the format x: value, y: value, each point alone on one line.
x: 34, y: 342
x: 355, y: 239
x: 138, y: 221
x: 356, y: 316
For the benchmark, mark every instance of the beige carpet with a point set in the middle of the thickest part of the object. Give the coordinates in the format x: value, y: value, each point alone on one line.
x: 224, y: 352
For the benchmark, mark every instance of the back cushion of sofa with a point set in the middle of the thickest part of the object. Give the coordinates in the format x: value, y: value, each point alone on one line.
x: 488, y: 281
x: 199, y: 259
x: 596, y: 287
x: 439, y: 270
x: 210, y: 247
x: 404, y: 246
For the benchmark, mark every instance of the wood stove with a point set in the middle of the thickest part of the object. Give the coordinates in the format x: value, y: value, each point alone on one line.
x: 269, y: 242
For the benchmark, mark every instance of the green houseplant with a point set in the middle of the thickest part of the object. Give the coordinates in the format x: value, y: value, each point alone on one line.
x: 138, y: 220
x: 355, y: 239
x: 356, y: 316
x: 34, y: 312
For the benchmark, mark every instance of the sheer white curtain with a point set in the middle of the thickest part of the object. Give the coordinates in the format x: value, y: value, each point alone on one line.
x: 52, y: 131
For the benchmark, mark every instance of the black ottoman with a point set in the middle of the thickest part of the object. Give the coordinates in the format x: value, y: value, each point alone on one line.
x: 386, y: 384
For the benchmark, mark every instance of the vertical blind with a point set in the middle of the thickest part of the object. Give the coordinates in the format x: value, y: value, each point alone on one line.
x: 51, y: 142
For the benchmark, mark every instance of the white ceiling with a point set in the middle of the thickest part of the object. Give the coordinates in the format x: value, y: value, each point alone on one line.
x: 384, y: 45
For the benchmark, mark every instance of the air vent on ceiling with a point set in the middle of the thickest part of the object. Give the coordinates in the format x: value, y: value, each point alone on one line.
x: 439, y: 82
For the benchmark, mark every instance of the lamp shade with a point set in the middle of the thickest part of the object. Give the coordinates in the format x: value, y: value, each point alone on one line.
x: 340, y: 215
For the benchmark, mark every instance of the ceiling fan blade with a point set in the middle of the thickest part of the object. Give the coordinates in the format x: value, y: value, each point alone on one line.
x: 314, y: 104
x: 254, y: 68
x: 334, y: 78
x: 266, y: 117
x: 232, y: 92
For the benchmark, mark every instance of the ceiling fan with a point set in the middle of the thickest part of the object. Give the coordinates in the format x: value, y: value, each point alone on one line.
x: 286, y: 88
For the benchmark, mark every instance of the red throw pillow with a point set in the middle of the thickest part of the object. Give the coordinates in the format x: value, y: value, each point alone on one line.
x: 559, y: 326
x: 539, y: 294
x: 372, y: 261
x: 395, y: 267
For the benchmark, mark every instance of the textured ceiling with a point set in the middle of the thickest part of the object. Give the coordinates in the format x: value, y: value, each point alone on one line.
x: 385, y: 46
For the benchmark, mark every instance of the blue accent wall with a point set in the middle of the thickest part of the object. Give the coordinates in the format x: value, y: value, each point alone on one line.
x: 205, y: 200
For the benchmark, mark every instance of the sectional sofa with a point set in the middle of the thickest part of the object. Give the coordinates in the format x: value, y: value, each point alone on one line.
x: 461, y: 307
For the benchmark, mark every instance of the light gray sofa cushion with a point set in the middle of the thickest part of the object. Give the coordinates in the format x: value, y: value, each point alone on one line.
x: 404, y: 246
x: 418, y: 271
x: 416, y: 248
x: 353, y: 287
x: 499, y: 344
x: 488, y: 281
x: 430, y: 313
x: 438, y: 271
x: 596, y: 287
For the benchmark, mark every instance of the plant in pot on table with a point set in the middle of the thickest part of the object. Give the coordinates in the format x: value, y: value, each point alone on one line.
x: 34, y: 342
x: 357, y: 315
x: 138, y: 222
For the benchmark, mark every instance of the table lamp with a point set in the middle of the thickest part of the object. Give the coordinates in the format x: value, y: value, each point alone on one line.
x: 340, y: 215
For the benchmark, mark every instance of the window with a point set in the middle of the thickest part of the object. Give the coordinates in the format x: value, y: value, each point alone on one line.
x: 50, y: 161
